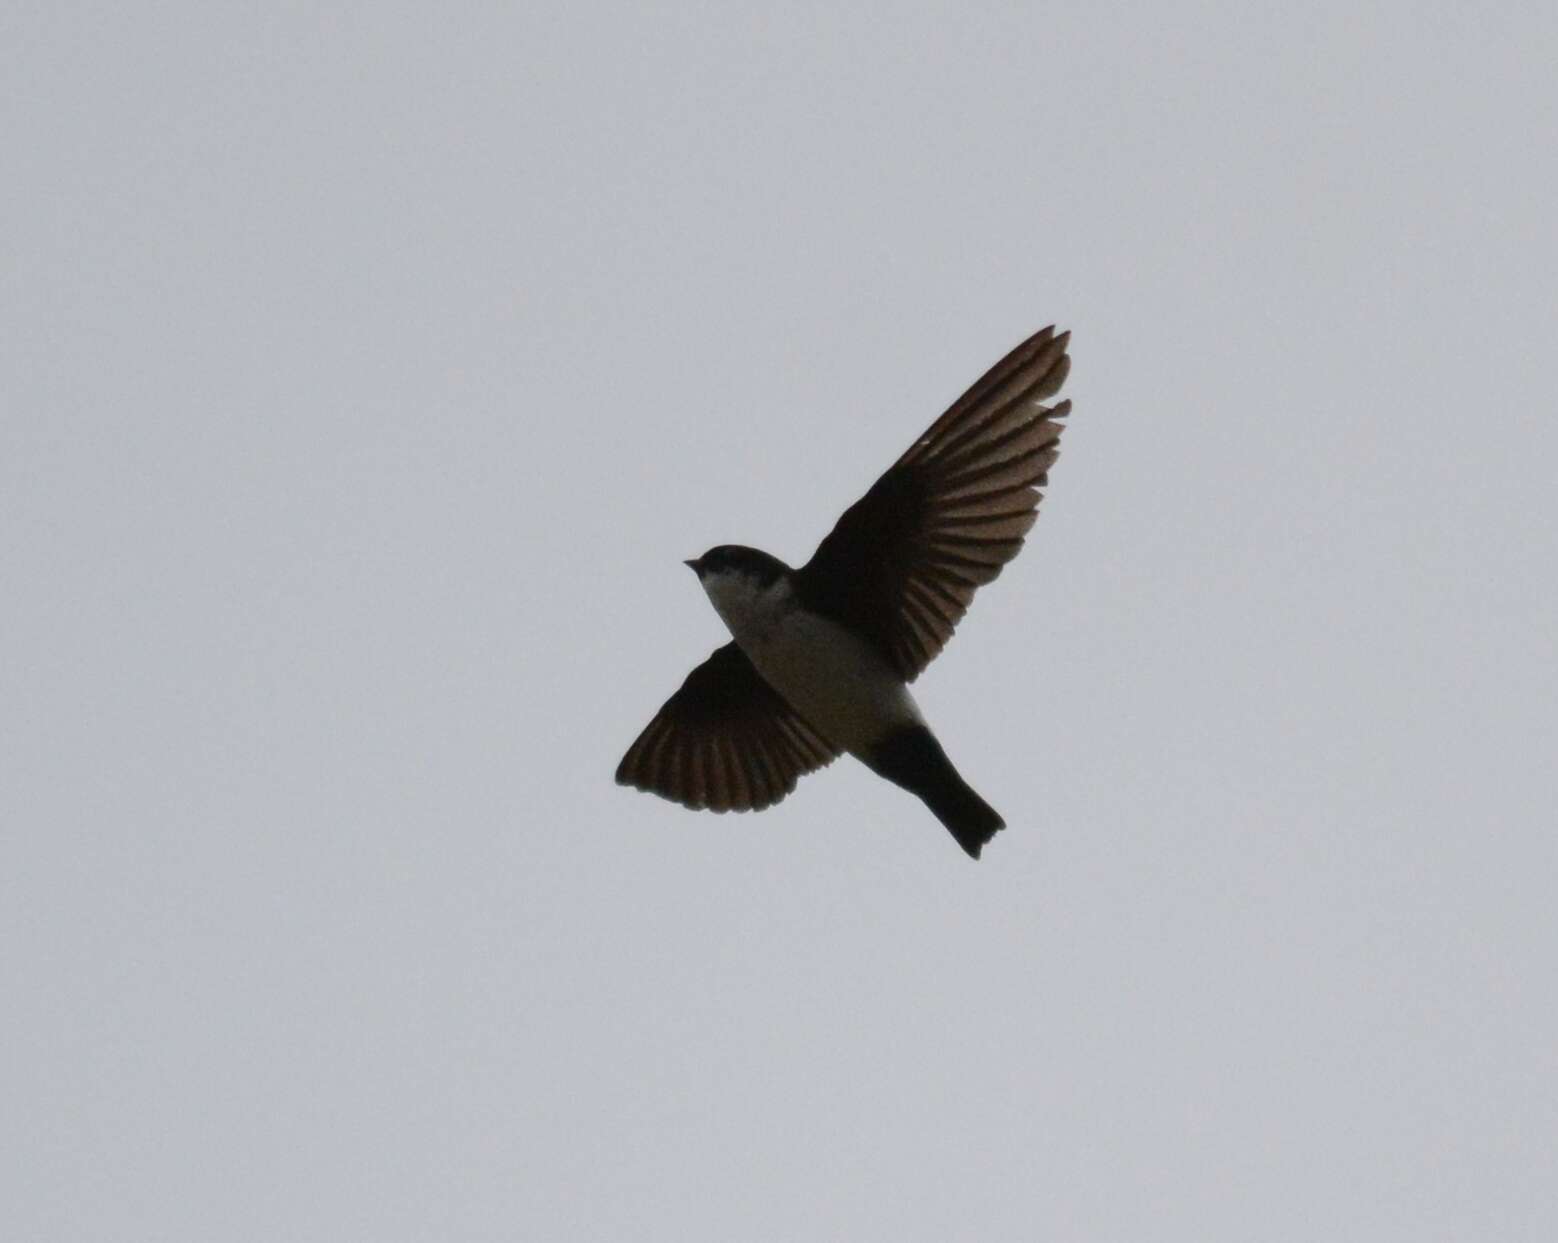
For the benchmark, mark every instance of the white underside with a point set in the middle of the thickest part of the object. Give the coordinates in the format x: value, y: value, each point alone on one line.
x: 841, y: 685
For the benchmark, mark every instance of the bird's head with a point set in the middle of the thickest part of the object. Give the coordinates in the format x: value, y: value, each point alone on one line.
x: 734, y: 576
x: 737, y: 561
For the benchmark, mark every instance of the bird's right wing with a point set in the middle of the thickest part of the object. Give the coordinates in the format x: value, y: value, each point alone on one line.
x: 903, y: 563
x: 726, y: 741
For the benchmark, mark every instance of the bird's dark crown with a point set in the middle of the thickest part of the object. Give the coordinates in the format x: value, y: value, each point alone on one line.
x: 738, y: 559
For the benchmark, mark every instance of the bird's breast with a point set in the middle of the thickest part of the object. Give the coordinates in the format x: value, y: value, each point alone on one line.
x: 837, y: 681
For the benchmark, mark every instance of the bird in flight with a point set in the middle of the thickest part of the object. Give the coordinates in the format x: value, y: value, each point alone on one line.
x: 822, y: 656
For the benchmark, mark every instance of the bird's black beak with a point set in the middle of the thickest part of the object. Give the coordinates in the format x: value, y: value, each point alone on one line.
x: 692, y: 565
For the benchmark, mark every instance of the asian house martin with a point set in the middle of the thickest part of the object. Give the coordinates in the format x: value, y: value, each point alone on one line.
x: 823, y: 656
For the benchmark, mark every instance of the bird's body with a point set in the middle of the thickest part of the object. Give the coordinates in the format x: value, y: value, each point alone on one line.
x: 822, y: 656
x: 838, y: 682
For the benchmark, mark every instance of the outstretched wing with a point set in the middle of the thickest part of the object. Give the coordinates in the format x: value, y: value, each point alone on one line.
x: 903, y: 563
x: 726, y: 741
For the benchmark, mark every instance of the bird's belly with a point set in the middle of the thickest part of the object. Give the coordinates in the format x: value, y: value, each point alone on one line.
x: 841, y: 685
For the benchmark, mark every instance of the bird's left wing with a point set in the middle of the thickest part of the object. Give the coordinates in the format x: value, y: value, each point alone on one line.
x: 902, y: 565
x: 726, y: 741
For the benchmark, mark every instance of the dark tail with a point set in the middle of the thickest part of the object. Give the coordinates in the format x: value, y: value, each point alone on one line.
x: 912, y: 758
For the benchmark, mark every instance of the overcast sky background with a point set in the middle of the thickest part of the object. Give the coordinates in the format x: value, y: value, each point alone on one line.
x: 367, y: 372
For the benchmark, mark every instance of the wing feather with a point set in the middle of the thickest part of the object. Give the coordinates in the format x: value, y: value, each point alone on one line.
x: 725, y: 741
x: 902, y: 564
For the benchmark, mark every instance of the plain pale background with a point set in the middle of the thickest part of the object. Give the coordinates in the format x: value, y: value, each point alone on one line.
x: 369, y: 369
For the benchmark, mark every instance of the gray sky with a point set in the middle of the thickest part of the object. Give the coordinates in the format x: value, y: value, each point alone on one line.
x: 368, y: 370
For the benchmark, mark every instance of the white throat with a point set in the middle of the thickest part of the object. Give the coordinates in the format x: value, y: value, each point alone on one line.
x: 747, y: 608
